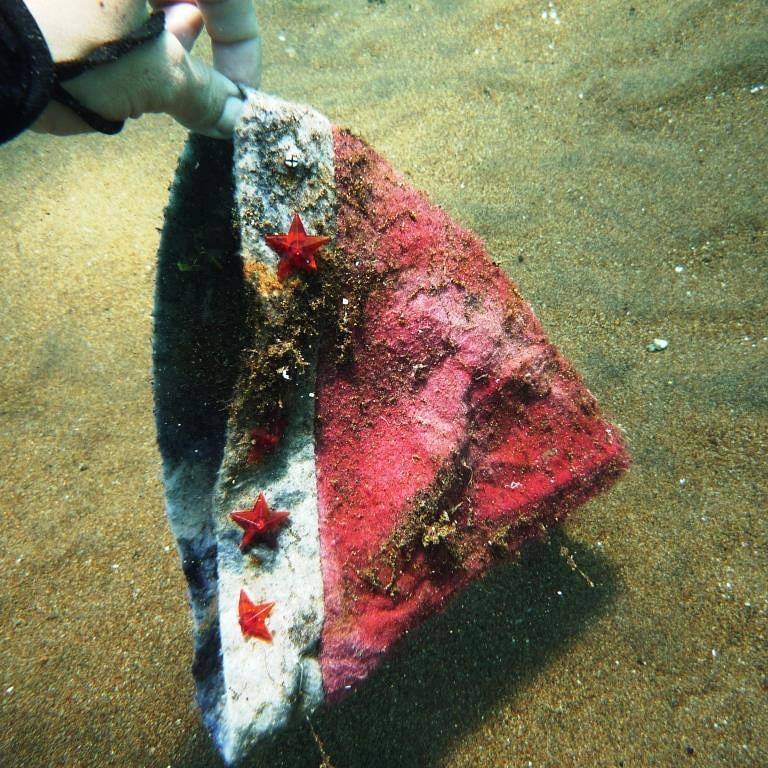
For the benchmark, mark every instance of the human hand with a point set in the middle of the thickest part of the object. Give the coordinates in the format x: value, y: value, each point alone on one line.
x: 159, y: 75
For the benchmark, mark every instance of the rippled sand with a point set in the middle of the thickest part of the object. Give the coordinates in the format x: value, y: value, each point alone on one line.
x: 614, y: 159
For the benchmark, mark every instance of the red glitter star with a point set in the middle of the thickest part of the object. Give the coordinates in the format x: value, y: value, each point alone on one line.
x: 296, y: 249
x: 262, y: 441
x: 259, y: 522
x: 253, y: 618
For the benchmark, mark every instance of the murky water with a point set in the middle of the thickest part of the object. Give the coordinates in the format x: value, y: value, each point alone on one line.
x: 613, y: 157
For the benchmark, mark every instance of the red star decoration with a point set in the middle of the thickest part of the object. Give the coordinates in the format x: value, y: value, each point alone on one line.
x: 262, y: 441
x: 259, y: 522
x: 253, y: 618
x: 296, y: 249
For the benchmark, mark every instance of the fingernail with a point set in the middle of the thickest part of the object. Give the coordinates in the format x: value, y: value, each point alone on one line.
x: 233, y: 108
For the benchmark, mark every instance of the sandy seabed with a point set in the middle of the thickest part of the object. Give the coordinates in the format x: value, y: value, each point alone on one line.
x: 613, y: 157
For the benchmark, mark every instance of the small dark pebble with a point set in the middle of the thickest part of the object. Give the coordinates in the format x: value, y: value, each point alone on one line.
x: 689, y: 750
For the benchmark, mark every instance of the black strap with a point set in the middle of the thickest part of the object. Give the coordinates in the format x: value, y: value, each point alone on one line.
x: 106, y: 53
x: 103, y: 54
x: 94, y: 120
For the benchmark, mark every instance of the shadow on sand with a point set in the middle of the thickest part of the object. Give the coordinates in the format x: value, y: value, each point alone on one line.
x: 489, y: 643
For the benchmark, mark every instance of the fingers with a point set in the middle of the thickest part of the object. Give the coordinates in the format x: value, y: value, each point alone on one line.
x: 234, y: 32
x: 195, y: 94
x: 182, y: 19
x: 240, y: 62
x: 162, y: 77
x: 229, y: 21
x: 233, y: 29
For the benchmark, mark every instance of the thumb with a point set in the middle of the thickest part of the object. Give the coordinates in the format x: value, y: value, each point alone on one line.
x: 195, y: 94
x: 162, y: 77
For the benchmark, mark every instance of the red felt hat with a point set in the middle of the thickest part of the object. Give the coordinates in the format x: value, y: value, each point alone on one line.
x: 332, y: 483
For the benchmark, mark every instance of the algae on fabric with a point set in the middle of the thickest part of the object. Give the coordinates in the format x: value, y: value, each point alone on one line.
x: 285, y: 320
x: 285, y: 323
x: 431, y: 525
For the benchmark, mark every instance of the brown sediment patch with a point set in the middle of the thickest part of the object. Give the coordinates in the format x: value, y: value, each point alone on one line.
x: 286, y: 322
x: 431, y: 525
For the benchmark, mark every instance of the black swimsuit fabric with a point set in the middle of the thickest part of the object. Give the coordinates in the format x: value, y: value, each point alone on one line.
x: 29, y: 79
x: 26, y: 69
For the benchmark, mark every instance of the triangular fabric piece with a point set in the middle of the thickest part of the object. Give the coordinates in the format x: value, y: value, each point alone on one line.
x: 457, y: 435
x: 400, y: 409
